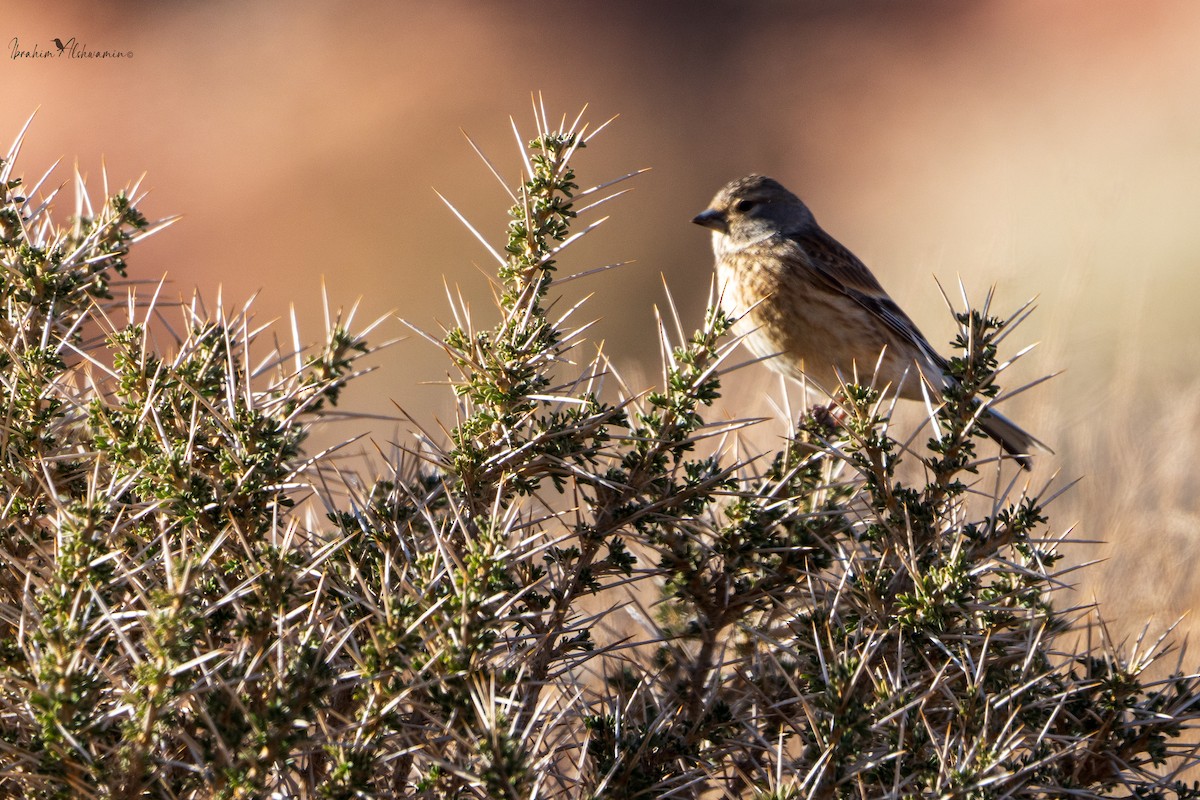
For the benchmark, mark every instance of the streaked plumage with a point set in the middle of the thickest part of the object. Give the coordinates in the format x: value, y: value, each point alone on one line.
x: 810, y: 304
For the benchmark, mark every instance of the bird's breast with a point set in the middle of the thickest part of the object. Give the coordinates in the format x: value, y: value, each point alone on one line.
x: 785, y: 311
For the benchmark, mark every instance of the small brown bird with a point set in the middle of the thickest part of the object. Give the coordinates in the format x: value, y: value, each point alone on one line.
x: 813, y: 309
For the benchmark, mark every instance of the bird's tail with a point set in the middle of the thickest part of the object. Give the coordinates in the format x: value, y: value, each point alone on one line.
x: 1016, y: 441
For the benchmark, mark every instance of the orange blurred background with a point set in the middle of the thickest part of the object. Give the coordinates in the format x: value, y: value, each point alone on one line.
x: 1049, y: 149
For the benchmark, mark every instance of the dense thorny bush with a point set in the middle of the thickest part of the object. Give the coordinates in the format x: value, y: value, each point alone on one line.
x: 580, y: 591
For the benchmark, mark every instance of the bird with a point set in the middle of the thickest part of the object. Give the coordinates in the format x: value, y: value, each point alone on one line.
x: 58, y: 43
x: 813, y: 311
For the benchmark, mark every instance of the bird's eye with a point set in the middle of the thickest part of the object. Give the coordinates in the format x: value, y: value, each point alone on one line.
x: 745, y: 205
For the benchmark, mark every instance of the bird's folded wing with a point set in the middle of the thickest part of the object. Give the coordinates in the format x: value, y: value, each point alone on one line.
x: 842, y: 272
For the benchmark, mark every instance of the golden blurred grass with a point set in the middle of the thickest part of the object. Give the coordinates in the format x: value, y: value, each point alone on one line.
x: 1048, y: 149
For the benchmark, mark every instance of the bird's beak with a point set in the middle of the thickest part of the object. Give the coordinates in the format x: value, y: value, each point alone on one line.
x: 712, y: 219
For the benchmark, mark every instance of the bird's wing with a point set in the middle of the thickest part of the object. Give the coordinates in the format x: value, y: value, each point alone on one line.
x: 843, y: 272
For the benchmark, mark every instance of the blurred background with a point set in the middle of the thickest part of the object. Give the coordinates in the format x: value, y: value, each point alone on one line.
x: 1047, y: 149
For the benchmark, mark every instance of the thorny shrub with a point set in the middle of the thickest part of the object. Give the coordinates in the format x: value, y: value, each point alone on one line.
x: 581, y: 591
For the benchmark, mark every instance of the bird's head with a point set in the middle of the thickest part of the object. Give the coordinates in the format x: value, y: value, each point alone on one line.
x: 753, y: 208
